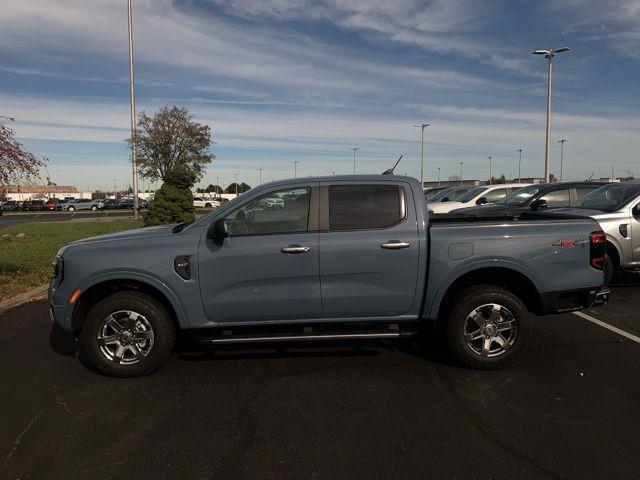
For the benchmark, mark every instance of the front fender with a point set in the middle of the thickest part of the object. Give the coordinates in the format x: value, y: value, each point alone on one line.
x: 432, y: 305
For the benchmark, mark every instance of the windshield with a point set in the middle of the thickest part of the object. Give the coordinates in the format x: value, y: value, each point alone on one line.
x: 429, y: 194
x: 471, y: 194
x: 520, y: 196
x: 453, y: 193
x: 608, y: 198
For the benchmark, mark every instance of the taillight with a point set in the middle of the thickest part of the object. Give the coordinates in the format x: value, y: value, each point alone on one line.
x: 598, y: 249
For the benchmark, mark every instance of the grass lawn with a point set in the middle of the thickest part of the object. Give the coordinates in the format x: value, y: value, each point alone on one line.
x: 26, y: 263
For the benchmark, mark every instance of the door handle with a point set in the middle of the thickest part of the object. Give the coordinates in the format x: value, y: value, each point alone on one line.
x: 395, y: 245
x: 295, y: 249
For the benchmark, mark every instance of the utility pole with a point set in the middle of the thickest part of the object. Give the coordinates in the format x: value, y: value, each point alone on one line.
x: 548, y: 54
x: 218, y: 185
x: 295, y: 168
x: 260, y: 176
x: 490, y: 169
x: 355, y: 149
x: 612, y: 174
x: 236, y: 176
x: 461, y: 163
x: 561, y: 142
x: 422, y: 127
x: 132, y: 98
x: 438, y: 176
x: 519, y: 165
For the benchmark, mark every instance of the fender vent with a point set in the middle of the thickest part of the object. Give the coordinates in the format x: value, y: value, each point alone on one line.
x: 182, y: 266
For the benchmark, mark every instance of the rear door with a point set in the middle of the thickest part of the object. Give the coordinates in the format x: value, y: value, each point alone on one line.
x: 369, y: 249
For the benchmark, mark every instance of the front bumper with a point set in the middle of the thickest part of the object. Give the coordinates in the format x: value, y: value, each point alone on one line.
x: 571, y: 300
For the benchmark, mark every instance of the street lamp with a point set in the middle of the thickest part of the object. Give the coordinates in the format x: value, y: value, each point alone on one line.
x: 438, y: 176
x: 260, y: 176
x: 236, y: 176
x: 490, y: 169
x: 132, y: 100
x: 561, y: 142
x: 461, y: 163
x: 295, y: 169
x: 549, y: 54
x: 422, y: 127
x: 519, y: 165
x: 355, y: 149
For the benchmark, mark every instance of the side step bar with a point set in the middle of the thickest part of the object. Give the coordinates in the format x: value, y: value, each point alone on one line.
x: 296, y: 338
x: 299, y: 333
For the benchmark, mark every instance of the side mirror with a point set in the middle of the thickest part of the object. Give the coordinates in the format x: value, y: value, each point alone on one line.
x: 445, y: 199
x: 538, y: 204
x: 481, y: 201
x: 218, y: 231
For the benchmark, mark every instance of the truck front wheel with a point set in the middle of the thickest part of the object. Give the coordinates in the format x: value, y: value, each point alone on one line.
x: 127, y: 334
x: 488, y: 327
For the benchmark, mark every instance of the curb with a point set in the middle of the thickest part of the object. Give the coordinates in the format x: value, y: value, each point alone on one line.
x: 35, y: 294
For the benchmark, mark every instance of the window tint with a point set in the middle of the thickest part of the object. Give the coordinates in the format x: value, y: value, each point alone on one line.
x: 558, y: 198
x: 364, y: 206
x: 582, y: 191
x: 284, y: 211
x: 495, y: 195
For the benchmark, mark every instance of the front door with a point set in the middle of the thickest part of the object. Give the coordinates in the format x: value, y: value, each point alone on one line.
x: 369, y: 250
x: 267, y: 269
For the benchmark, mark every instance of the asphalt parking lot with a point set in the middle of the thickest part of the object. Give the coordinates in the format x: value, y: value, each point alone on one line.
x: 568, y: 409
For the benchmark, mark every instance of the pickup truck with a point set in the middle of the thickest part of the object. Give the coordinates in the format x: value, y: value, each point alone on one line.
x: 616, y: 207
x: 347, y: 257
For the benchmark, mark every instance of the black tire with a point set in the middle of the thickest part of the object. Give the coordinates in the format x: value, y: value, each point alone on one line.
x: 511, y: 308
x: 609, y: 270
x: 157, y: 319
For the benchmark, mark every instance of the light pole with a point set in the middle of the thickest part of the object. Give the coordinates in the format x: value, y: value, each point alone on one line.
x: 260, y: 176
x: 295, y: 168
x: 548, y: 54
x: 490, y: 169
x: 132, y: 99
x: 236, y: 176
x: 438, y: 176
x: 355, y: 149
x: 461, y: 163
x: 218, y: 185
x: 422, y: 127
x: 561, y: 142
x: 519, y: 165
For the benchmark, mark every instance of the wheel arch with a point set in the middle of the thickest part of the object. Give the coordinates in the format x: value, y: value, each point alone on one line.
x: 507, y: 278
x: 99, y: 288
x: 613, y: 251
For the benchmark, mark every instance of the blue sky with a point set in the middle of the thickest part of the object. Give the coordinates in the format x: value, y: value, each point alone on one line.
x: 285, y: 80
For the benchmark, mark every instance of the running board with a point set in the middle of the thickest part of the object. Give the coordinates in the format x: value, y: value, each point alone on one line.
x: 307, y: 334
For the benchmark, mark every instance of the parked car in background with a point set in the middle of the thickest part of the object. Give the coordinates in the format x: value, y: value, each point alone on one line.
x: 616, y: 207
x: 482, y: 195
x: 271, y: 203
x: 203, y: 202
x: 451, y: 193
x: 78, y: 204
x: 431, y: 192
x: 32, y: 205
x: 110, y: 203
x: 128, y: 203
x: 11, y: 206
x: 536, y: 197
x: 51, y: 204
x: 349, y: 257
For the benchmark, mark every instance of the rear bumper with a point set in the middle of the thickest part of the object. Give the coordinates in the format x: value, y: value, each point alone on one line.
x: 571, y: 300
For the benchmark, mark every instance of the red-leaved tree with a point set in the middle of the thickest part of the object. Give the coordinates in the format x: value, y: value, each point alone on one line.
x: 15, y: 162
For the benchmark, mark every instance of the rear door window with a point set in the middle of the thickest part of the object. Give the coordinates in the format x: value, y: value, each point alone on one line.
x: 495, y: 195
x: 557, y: 198
x: 358, y: 207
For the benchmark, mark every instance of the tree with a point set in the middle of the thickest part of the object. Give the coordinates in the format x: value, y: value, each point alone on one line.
x: 171, y: 138
x: 173, y: 203
x: 498, y: 181
x: 242, y: 187
x: 214, y: 189
x: 15, y: 162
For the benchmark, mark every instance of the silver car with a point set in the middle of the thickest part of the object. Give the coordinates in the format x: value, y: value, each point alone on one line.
x: 616, y: 207
x: 79, y: 204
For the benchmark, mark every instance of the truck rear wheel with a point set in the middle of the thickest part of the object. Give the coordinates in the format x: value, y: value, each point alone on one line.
x: 127, y: 334
x: 488, y: 327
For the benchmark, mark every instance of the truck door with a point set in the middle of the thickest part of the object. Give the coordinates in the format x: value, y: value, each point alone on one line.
x: 369, y: 249
x: 267, y: 268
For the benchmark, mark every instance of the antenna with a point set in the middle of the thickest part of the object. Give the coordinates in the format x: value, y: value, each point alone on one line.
x: 591, y: 176
x: 390, y: 171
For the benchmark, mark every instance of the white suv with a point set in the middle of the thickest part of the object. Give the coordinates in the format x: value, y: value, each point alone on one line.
x: 477, y: 196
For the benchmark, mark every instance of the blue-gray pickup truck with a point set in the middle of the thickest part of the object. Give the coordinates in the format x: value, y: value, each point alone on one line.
x: 341, y: 257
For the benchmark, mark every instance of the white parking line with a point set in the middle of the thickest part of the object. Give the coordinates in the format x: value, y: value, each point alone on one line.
x: 608, y: 327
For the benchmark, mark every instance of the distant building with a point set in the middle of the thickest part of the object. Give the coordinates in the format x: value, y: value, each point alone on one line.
x: 451, y: 183
x: 35, y: 192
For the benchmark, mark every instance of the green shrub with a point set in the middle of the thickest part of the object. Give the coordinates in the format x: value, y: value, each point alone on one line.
x: 173, y: 203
